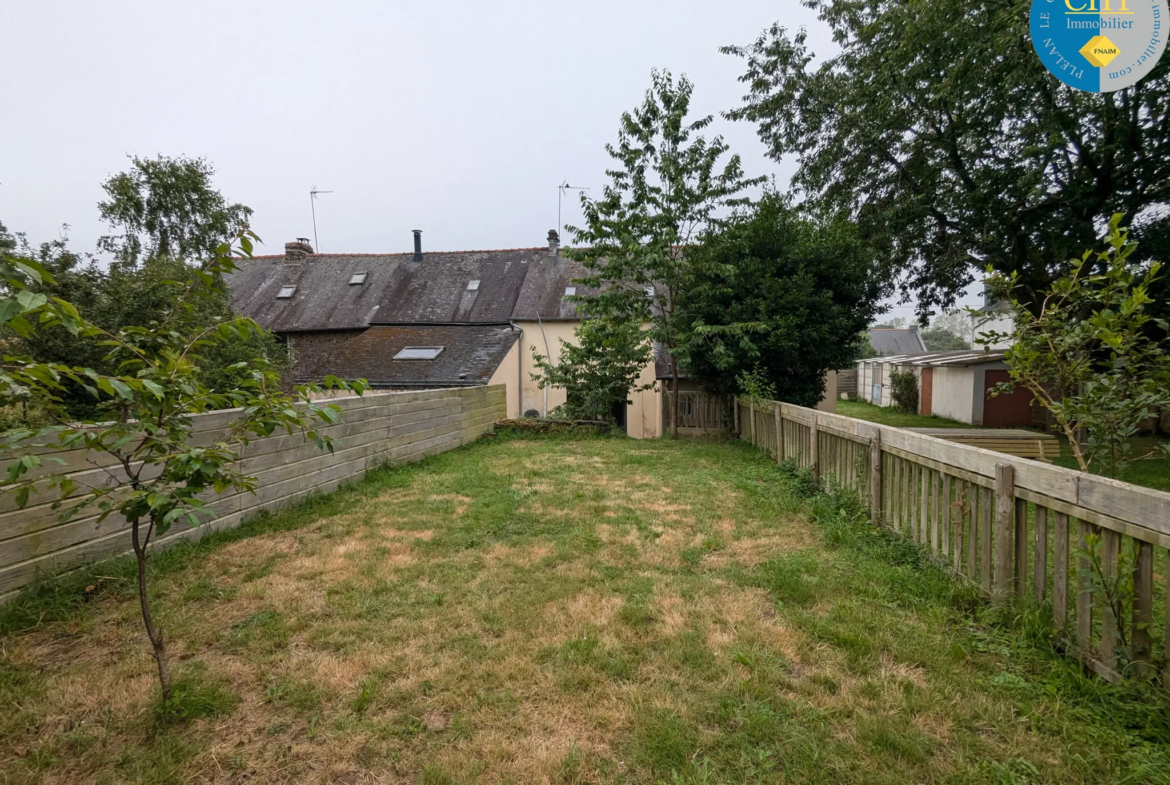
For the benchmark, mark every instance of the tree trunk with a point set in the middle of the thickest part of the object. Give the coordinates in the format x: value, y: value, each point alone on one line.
x: 154, y: 633
x: 674, y: 402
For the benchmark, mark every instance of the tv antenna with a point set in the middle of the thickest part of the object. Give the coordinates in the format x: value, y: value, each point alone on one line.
x: 313, y: 203
x: 561, y: 192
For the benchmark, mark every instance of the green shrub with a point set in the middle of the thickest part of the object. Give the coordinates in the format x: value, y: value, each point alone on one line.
x: 905, y: 391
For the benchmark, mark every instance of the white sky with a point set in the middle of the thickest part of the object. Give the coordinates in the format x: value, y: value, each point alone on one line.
x: 457, y: 118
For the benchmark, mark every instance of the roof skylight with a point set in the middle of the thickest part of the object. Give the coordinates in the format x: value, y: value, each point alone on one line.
x: 286, y: 292
x: 357, y: 279
x: 473, y: 286
x: 570, y: 291
x: 419, y: 353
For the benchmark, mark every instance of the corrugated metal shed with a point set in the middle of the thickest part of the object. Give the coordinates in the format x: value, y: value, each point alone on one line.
x: 956, y: 357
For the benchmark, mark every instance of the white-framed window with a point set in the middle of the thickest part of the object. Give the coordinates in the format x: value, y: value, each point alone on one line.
x: 357, y: 279
x: 473, y: 286
x: 570, y: 291
x: 286, y: 292
x: 649, y: 290
x: 419, y: 353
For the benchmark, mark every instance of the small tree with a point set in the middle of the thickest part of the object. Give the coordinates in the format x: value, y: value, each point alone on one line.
x: 146, y: 412
x: 1086, y: 352
x: 599, y: 371
x: 664, y: 194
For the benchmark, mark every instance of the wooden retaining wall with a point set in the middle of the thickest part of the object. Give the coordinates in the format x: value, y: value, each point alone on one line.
x: 394, y: 427
x: 1011, y: 526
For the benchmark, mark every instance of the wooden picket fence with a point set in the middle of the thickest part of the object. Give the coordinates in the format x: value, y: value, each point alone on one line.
x: 1011, y: 526
x: 699, y: 413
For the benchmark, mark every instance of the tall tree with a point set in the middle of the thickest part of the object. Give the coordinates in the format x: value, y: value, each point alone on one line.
x: 937, y: 126
x: 665, y: 191
x: 950, y: 330
x: 167, y: 208
x: 780, y: 294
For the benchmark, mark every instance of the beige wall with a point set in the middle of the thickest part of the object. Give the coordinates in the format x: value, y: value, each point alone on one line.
x: 508, y: 375
x: 829, y: 401
x: 643, y: 414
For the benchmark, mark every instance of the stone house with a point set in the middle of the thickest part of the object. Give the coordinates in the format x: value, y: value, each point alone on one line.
x: 427, y: 320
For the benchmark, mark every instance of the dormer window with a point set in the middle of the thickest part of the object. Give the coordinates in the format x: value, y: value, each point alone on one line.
x: 286, y: 292
x: 473, y: 286
x: 419, y: 353
x: 357, y: 279
x: 570, y: 291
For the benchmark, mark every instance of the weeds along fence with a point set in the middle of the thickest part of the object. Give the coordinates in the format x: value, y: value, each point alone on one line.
x: 377, y: 428
x: 1092, y: 549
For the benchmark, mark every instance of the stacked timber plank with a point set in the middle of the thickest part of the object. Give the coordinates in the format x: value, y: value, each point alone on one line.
x: 1022, y: 444
x: 377, y: 428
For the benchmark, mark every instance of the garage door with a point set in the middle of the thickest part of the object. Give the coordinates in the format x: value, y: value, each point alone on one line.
x: 1005, y: 411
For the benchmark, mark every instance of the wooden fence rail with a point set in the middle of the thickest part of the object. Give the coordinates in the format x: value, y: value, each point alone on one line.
x: 376, y: 428
x: 1011, y: 526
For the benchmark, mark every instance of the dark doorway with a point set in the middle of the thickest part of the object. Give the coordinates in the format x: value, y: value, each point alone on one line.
x: 618, y: 412
x: 1005, y: 411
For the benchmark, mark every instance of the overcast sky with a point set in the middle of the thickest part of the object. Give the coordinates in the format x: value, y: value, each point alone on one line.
x: 457, y: 118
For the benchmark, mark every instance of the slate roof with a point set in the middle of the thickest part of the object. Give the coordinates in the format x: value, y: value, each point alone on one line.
x: 518, y: 284
x: 475, y: 351
x: 890, y: 341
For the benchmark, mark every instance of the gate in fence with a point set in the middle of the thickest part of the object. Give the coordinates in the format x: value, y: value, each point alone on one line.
x: 699, y: 413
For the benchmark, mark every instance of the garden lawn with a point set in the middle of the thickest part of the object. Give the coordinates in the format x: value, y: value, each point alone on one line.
x: 556, y: 611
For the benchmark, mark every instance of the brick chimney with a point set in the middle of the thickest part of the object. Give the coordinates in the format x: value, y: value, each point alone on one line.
x: 554, y: 243
x: 298, y: 251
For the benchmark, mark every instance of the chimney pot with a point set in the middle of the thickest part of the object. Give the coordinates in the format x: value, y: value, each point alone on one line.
x: 554, y: 243
x: 298, y: 250
x: 417, y: 244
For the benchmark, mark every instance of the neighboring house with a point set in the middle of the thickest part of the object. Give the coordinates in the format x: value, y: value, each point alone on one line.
x: 950, y: 384
x: 415, y: 320
x: 889, y: 341
x: 995, y: 318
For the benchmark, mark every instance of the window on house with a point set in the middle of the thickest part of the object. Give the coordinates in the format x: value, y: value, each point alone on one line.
x: 649, y: 290
x: 357, y: 279
x: 473, y: 286
x: 570, y: 291
x: 286, y: 292
x: 419, y: 353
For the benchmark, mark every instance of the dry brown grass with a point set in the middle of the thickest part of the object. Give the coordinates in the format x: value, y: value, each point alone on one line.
x: 532, y: 618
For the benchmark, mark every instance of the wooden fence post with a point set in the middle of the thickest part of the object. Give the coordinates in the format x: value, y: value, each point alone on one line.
x: 779, y: 435
x: 875, y: 478
x: 735, y: 414
x: 1005, y: 508
x: 814, y: 457
x: 752, y: 420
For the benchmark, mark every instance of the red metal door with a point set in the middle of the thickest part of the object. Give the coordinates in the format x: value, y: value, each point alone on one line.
x: 926, y: 392
x: 1005, y: 411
